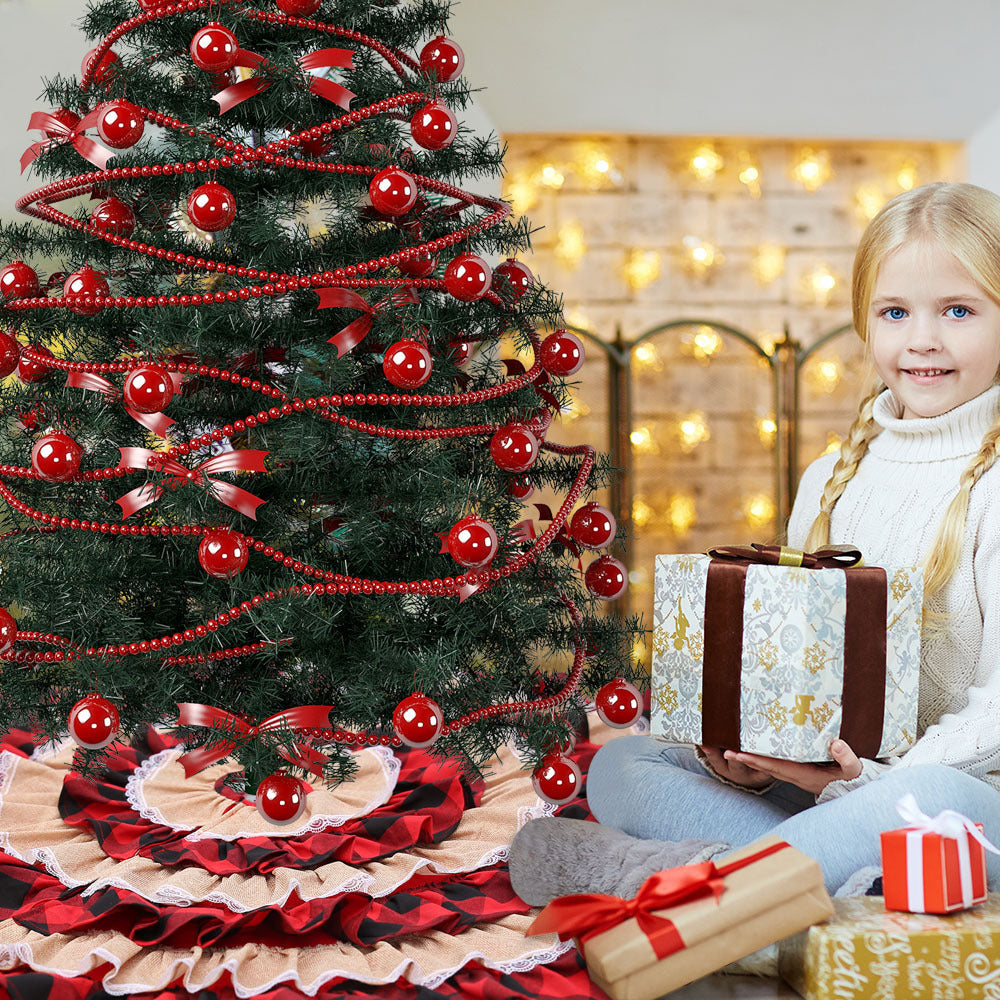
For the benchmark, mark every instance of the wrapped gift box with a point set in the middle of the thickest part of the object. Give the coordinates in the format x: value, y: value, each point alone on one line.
x: 867, y: 953
x: 751, y: 898
x: 780, y: 659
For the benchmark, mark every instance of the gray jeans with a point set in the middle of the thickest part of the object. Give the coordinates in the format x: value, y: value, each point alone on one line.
x: 661, y: 791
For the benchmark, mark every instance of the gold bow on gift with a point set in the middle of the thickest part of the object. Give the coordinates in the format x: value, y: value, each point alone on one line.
x: 832, y: 557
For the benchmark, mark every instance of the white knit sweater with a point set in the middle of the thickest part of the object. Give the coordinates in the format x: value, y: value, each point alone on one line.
x: 891, y: 510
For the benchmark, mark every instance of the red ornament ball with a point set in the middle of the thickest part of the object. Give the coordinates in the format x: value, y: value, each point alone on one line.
x: 214, y: 48
x: 557, y: 779
x: 513, y: 274
x: 281, y: 798
x: 29, y: 371
x: 8, y: 631
x: 93, y: 722
x: 68, y: 118
x: 606, y: 578
x: 619, y: 704
x: 18, y: 281
x: 392, y: 191
x: 593, y: 526
x: 468, y: 277
x: 407, y: 364
x: 105, y: 68
x: 315, y: 145
x: 472, y: 542
x: 120, y: 125
x: 521, y: 487
x: 459, y: 351
x: 211, y: 207
x: 150, y: 5
x: 433, y: 126
x: 10, y: 354
x: 223, y: 553
x: 86, y: 284
x: 420, y: 265
x: 56, y: 457
x: 114, y: 216
x: 298, y: 8
x: 148, y: 389
x: 418, y: 721
x: 514, y: 448
x: 442, y: 58
x: 562, y: 353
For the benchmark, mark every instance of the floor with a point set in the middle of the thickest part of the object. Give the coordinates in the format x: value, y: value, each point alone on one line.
x: 717, y: 987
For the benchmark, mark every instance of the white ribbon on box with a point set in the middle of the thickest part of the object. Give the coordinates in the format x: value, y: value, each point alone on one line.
x: 947, y: 823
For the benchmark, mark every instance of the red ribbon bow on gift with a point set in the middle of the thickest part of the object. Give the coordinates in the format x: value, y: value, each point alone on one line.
x: 832, y: 557
x: 87, y: 148
x: 303, y: 717
x: 158, y: 423
x: 320, y: 59
x: 355, y: 332
x: 232, y: 461
x: 586, y: 915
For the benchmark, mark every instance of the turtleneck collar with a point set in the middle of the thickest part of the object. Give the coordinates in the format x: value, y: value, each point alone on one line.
x: 954, y: 434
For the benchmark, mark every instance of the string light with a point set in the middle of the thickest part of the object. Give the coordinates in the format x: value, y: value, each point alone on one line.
x: 641, y: 268
x: 642, y: 512
x: 693, y: 431
x: 643, y: 442
x: 907, y: 177
x: 818, y: 284
x: 682, y: 513
x: 824, y: 374
x: 552, y: 177
x: 575, y: 408
x: 706, y: 162
x: 767, y: 431
x: 520, y: 192
x: 749, y: 175
x: 570, y: 245
x: 700, y: 255
x: 768, y: 262
x: 702, y: 343
x: 759, y: 511
x: 768, y: 341
x: 868, y: 200
x: 812, y: 168
x: 647, y: 358
x: 596, y: 168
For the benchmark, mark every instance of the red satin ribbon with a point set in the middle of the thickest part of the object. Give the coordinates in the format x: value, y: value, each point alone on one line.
x: 355, y: 332
x: 586, y: 915
x: 320, y: 59
x: 303, y: 717
x: 525, y: 531
x: 87, y: 148
x: 232, y: 461
x: 158, y: 423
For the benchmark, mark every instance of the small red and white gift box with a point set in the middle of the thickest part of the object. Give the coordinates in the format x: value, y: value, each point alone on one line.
x: 934, y: 865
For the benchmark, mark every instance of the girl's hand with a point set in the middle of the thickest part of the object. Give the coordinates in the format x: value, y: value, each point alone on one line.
x: 810, y: 777
x: 737, y: 772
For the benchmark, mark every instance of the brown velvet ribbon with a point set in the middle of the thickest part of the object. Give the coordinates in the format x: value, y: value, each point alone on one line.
x: 863, y: 698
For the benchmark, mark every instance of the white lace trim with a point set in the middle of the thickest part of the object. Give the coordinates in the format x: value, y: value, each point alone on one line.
x: 525, y: 963
x: 527, y: 813
x: 135, y: 792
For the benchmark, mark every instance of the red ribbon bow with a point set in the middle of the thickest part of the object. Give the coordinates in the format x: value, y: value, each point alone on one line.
x: 87, y: 148
x: 586, y: 915
x: 516, y: 367
x: 525, y: 531
x: 158, y: 423
x: 320, y: 59
x: 232, y: 461
x: 356, y: 331
x: 303, y: 717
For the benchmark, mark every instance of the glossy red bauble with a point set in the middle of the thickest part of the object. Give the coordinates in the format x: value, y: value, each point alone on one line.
x: 512, y: 277
x: 467, y: 277
x: 418, y: 721
x: 148, y: 389
x: 105, y: 68
x: 459, y: 351
x: 521, y: 487
x: 619, y: 704
x: 18, y: 281
x: 211, y: 207
x: 87, y: 284
x: 8, y: 631
x: 392, y: 191
x: 114, y: 216
x: 120, y: 124
x: 281, y: 798
x: 419, y: 265
x: 514, y: 448
x: 472, y: 542
x: 223, y: 553
x: 433, y: 126
x: 315, y: 145
x: 68, y: 118
x: 407, y: 364
x: 442, y: 58
x: 56, y: 457
x: 33, y: 371
x: 10, y: 354
x: 214, y: 48
x: 593, y: 526
x: 93, y: 722
x: 557, y: 779
x: 606, y: 578
x: 562, y: 353
x: 298, y: 8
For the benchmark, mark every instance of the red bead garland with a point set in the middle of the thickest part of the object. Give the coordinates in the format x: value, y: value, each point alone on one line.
x: 85, y: 286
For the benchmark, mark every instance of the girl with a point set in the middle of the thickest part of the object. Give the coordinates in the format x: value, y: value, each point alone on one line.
x: 916, y: 480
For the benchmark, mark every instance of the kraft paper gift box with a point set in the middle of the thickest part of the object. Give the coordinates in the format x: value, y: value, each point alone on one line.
x: 867, y: 953
x: 689, y: 921
x: 778, y: 652
x: 934, y: 865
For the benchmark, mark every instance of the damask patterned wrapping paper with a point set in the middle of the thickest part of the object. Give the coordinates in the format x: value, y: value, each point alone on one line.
x: 791, y: 684
x: 866, y: 953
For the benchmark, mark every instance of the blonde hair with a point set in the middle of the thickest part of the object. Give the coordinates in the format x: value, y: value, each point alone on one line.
x: 965, y: 220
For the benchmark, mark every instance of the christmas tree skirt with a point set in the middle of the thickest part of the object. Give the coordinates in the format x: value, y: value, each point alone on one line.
x: 147, y: 883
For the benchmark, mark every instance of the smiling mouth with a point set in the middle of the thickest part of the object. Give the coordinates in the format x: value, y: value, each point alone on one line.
x: 926, y: 372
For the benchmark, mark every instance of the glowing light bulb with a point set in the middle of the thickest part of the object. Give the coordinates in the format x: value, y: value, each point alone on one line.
x: 767, y: 431
x: 570, y: 245
x: 749, y: 175
x: 701, y: 256
x: 818, y: 284
x: 869, y: 199
x: 643, y: 442
x: 824, y: 374
x: 682, y: 513
x: 552, y: 177
x: 812, y: 169
x: 768, y: 262
x: 907, y: 177
x: 693, y: 431
x: 759, y: 511
x: 647, y: 358
x: 520, y: 192
x: 642, y: 512
x: 641, y: 268
x: 702, y: 343
x: 706, y: 162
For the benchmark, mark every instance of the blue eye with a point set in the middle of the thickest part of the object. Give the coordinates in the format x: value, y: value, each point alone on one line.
x: 895, y: 312
x: 958, y: 312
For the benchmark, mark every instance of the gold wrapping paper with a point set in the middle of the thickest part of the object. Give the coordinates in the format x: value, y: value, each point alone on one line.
x: 764, y: 902
x: 867, y: 953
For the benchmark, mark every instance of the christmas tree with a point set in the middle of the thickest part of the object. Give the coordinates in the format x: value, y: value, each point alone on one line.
x: 264, y: 472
